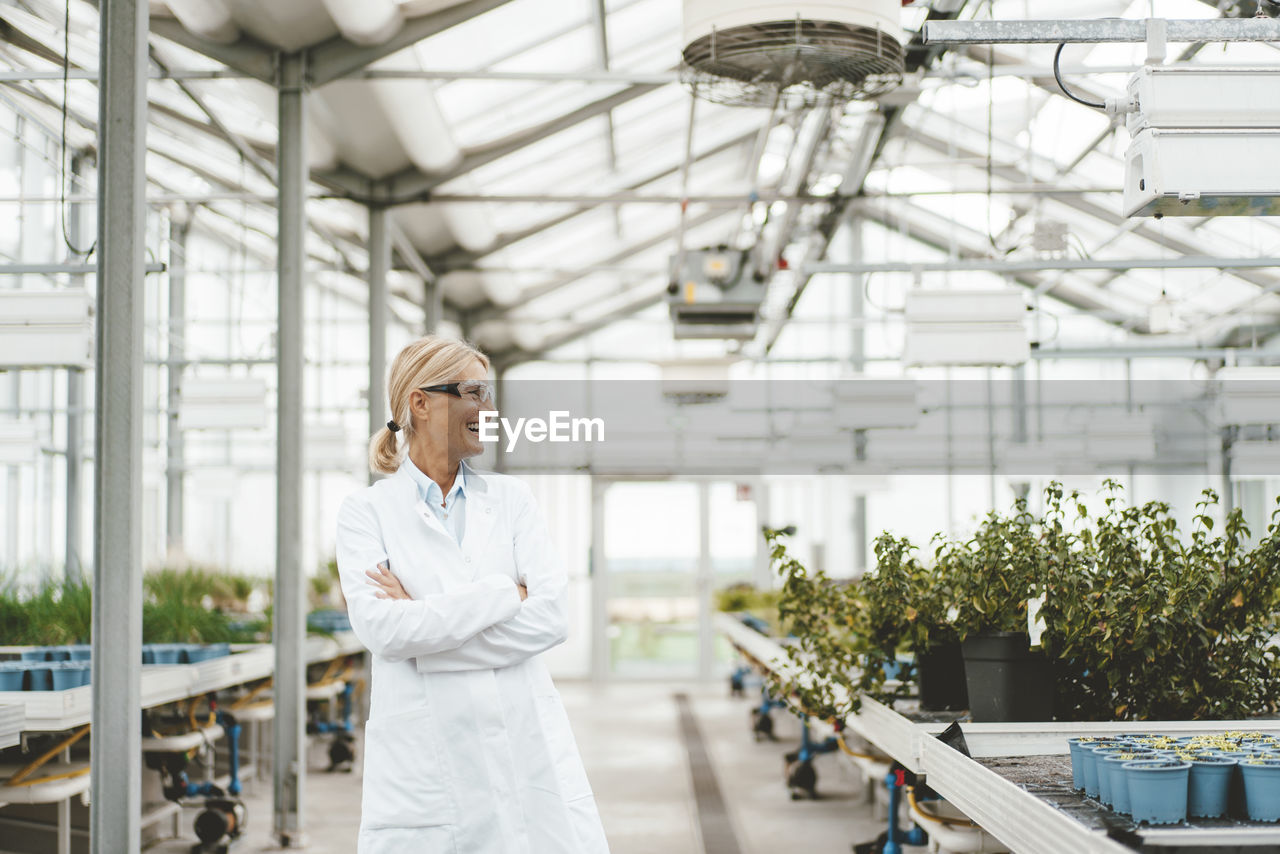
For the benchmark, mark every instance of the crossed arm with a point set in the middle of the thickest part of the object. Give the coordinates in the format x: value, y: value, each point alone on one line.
x: 475, y: 626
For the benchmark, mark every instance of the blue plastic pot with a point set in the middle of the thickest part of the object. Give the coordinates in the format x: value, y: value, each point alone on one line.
x: 38, y: 653
x: 39, y: 676
x: 1209, y: 785
x: 1100, y: 757
x: 1089, y: 763
x: 69, y: 674
x: 1077, y: 745
x: 207, y: 651
x: 1157, y: 790
x: 1111, y: 778
x: 1235, y: 789
x: 217, y: 650
x: 59, y: 653
x: 165, y: 653
x: 11, y: 675
x: 1261, y: 788
x: 81, y: 652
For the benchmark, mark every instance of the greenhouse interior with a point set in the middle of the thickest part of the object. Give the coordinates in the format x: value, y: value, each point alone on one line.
x: 635, y: 426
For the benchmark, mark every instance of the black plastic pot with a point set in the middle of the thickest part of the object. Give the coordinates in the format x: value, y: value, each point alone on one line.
x: 940, y: 677
x: 1006, y: 681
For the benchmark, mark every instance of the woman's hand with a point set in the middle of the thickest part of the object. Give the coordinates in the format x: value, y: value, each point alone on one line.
x: 524, y: 591
x: 389, y: 587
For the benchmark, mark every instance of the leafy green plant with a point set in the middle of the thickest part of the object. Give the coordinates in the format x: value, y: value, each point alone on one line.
x: 747, y: 597
x: 1140, y: 620
x: 56, y: 612
x: 829, y: 621
x: 1148, y: 624
x: 994, y: 573
x: 907, y: 605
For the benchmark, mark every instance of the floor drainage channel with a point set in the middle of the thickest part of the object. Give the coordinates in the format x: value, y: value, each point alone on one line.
x: 713, y: 816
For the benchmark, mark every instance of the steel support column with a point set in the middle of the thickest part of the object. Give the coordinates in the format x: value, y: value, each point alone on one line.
x: 73, y: 564
x: 858, y: 362
x: 289, y: 620
x: 177, y: 336
x: 379, y: 264
x: 599, y: 584
x: 705, y: 586
x: 116, y: 749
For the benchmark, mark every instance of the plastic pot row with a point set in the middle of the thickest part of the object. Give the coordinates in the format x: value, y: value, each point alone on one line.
x: 43, y: 675
x: 1161, y: 780
x: 60, y: 668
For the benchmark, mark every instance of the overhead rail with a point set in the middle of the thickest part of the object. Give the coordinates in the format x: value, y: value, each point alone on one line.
x: 1187, y: 262
x: 1101, y: 31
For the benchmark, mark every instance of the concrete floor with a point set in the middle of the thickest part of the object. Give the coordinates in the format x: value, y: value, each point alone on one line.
x: 630, y: 740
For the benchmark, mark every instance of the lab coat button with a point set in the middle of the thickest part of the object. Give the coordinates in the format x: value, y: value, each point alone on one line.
x: 468, y: 560
x: 488, y: 509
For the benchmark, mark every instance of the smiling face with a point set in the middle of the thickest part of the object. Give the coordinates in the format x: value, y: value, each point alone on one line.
x: 447, y: 424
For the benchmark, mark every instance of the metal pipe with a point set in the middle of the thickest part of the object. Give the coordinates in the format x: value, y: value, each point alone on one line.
x: 74, y: 269
x: 116, y: 757
x: 289, y: 769
x: 379, y: 263
x: 1100, y: 31
x: 1192, y: 262
x: 177, y: 332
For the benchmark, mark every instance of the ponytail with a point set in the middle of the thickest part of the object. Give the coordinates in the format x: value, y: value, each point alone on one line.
x: 384, y: 452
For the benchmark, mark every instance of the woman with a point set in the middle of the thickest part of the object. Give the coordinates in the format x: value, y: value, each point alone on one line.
x: 452, y: 584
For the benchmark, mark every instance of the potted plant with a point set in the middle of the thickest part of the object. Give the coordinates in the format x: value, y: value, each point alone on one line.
x: 1209, y: 784
x: 1145, y: 622
x: 1157, y: 789
x: 830, y: 623
x: 1261, y: 788
x: 993, y: 575
x: 908, y: 605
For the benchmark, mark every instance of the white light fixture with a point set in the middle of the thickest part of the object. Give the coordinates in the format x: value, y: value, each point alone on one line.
x: 865, y: 404
x: 46, y: 328
x: 223, y: 403
x: 1162, y: 316
x: 19, y: 442
x: 966, y: 327
x: 1247, y: 395
x: 696, y: 380
x: 1123, y: 438
x: 1047, y: 457
x: 1255, y: 460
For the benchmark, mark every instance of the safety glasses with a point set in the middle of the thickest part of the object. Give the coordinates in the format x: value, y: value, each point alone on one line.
x: 476, y: 390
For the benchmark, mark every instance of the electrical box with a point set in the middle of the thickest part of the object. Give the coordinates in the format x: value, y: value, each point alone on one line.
x: 1202, y: 173
x: 716, y: 295
x: 1202, y: 142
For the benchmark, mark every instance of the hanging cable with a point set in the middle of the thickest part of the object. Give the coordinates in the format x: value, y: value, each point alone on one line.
x: 1057, y: 75
x: 62, y: 156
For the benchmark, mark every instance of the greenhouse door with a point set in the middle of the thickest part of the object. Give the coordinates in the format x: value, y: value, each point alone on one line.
x: 660, y: 550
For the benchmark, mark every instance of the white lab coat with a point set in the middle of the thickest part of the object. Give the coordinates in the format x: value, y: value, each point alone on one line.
x: 467, y: 748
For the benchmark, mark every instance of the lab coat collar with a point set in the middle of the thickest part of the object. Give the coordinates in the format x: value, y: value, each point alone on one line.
x: 479, y: 511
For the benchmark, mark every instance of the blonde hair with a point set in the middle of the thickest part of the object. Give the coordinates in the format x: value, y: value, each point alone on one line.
x: 428, y: 361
